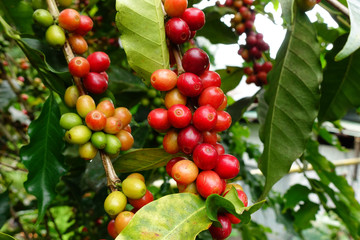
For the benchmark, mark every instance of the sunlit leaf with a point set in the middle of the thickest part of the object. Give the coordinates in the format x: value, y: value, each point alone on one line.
x: 230, y: 77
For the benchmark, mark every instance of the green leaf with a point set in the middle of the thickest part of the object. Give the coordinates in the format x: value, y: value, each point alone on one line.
x: 293, y: 96
x: 237, y: 109
x: 214, y: 29
x: 340, y: 88
x: 353, y: 42
x: 18, y: 13
x: 142, y: 159
x: 4, y: 208
x: 43, y: 156
x: 141, y: 24
x: 6, y: 94
x: 176, y: 216
x: 4, y: 236
x: 232, y: 204
x: 230, y: 77
x: 287, y: 10
x: 294, y: 195
x: 305, y: 214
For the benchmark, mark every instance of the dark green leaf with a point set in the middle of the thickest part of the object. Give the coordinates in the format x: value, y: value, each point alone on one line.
x: 214, y: 29
x: 305, y: 214
x: 142, y: 159
x: 353, y: 41
x: 329, y: 35
x: 232, y: 204
x: 293, y: 96
x: 176, y: 216
x: 141, y: 24
x: 262, y: 108
x: 6, y: 94
x: 4, y: 208
x: 238, y: 108
x: 294, y: 195
x: 18, y: 13
x: 4, y: 236
x: 43, y: 156
x: 230, y: 77
x: 340, y: 88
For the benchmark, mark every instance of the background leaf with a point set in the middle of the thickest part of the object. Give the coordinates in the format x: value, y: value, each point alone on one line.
x: 4, y: 208
x: 340, y: 88
x: 142, y: 159
x: 214, y: 29
x: 353, y: 42
x: 183, y: 216
x: 294, y: 195
x: 43, y: 157
x: 4, y: 236
x: 230, y: 77
x: 18, y: 13
x: 141, y: 24
x: 6, y: 94
x: 238, y: 108
x: 287, y: 10
x: 293, y: 97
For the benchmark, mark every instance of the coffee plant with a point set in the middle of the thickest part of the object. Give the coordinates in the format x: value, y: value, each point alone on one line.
x: 115, y: 124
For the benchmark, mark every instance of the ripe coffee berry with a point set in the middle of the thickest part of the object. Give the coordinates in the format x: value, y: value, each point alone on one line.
x: 179, y: 116
x: 95, y: 82
x: 194, y: 17
x: 177, y: 30
x: 223, y: 121
x: 227, y: 166
x: 170, y: 143
x: 86, y: 24
x: 210, y: 137
x: 205, y: 156
x: 69, y: 19
x: 79, y: 67
x: 204, y: 118
x: 184, y: 172
x: 99, y: 62
x: 163, y: 79
x: 208, y: 182
x: 188, y: 138
x: 113, y: 125
x: 78, y: 43
x: 95, y: 120
x: 106, y: 107
x: 210, y: 79
x: 189, y: 84
x: 212, y: 96
x: 195, y: 61
x: 139, y: 203
x: 158, y: 119
x: 221, y: 232
x: 171, y: 163
x: 175, y: 8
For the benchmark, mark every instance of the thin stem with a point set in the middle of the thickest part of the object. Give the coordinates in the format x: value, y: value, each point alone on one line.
x: 66, y: 48
x: 177, y: 55
x: 339, y: 7
x: 12, y: 167
x: 112, y: 178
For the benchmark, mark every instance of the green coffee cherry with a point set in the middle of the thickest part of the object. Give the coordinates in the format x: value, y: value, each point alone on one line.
x: 78, y: 135
x: 55, y: 36
x: 71, y: 96
x: 87, y: 151
x: 43, y: 17
x: 115, y: 203
x: 98, y: 139
x: 69, y: 120
x: 113, y: 144
x: 133, y: 188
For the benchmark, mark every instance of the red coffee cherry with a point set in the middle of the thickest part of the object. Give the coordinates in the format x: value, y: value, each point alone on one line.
x: 69, y: 19
x: 221, y: 232
x: 139, y: 203
x: 158, y: 119
x: 189, y: 84
x: 194, y: 17
x: 223, y: 121
x: 212, y: 96
x: 179, y: 116
x: 210, y: 79
x: 227, y: 166
x: 195, y: 61
x: 79, y: 67
x: 163, y: 79
x: 205, y: 118
x: 171, y: 163
x: 78, y: 43
x: 95, y: 120
x: 177, y: 30
x: 86, y: 24
x: 184, y: 172
x: 99, y: 62
x: 95, y: 83
x: 208, y: 182
x: 205, y: 156
x: 175, y: 8
x: 188, y: 138
x: 219, y: 148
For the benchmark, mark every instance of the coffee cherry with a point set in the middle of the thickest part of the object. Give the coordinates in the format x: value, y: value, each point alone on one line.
x: 86, y: 24
x: 208, y: 182
x: 188, y: 138
x: 78, y: 44
x: 204, y: 118
x: 170, y: 143
x: 139, y: 203
x: 55, y: 36
x: 177, y: 30
x: 189, y: 84
x: 195, y: 61
x: 71, y: 95
x: 210, y: 79
x: 69, y: 120
x: 171, y: 163
x: 179, y: 116
x: 158, y: 119
x: 133, y: 188
x: 79, y: 67
x: 113, y: 125
x: 227, y: 166
x: 78, y: 135
x: 205, y: 156
x: 174, y: 97
x: 163, y: 79
x: 231, y: 185
x: 69, y: 19
x: 189, y: 188
x: 64, y: 3
x: 99, y: 62
x: 87, y: 151
x: 266, y: 67
x: 137, y: 175
x: 98, y: 139
x: 43, y: 18
x: 95, y: 83
x: 122, y: 220
x: 115, y: 203
x: 221, y: 232
x: 212, y: 96
x: 210, y: 137
x: 84, y: 105
x: 223, y: 121
x: 223, y: 104
x: 194, y: 17
x: 95, y: 120
x: 306, y: 5
x: 123, y: 114
x: 111, y: 229
x: 219, y: 148
x: 126, y: 139
x: 184, y: 172
x: 113, y: 144
x: 175, y: 8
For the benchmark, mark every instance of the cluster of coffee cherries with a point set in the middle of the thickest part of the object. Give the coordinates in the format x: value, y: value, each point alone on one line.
x: 133, y: 191
x: 252, y: 51
x: 96, y: 127
x: 184, y: 22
